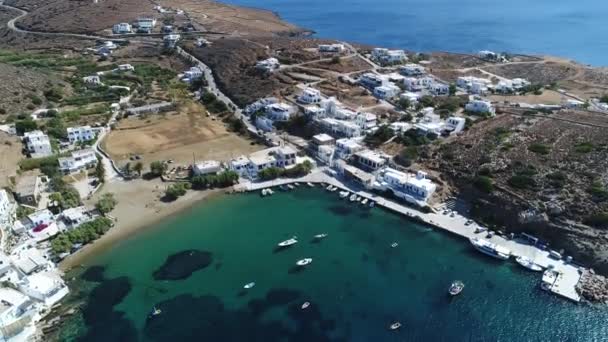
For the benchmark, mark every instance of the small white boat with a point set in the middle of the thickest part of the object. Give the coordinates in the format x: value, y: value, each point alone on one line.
x: 334, y: 188
x: 353, y: 197
x: 283, y: 187
x: 372, y: 204
x: 343, y: 194
x: 249, y: 285
x: 288, y: 242
x: 328, y: 188
x: 264, y: 192
x: 291, y: 187
x: 304, y: 262
x: 320, y: 236
x: 394, y: 244
x: 305, y: 305
x: 364, y: 202
x: 358, y: 199
x: 310, y: 184
x: 456, y: 288
x: 269, y: 192
x: 395, y: 326
x: 155, y: 311
x: 296, y: 184
x: 528, y: 263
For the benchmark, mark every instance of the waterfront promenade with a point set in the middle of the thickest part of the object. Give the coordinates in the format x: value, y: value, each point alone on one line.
x: 563, y: 285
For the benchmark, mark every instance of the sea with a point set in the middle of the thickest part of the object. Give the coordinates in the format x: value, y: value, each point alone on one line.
x: 564, y: 28
x: 192, y: 269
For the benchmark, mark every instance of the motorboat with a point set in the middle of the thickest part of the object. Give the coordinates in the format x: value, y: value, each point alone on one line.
x: 288, y: 242
x: 328, y: 188
x: 353, y: 197
x: 249, y: 285
x: 456, y: 287
x: 320, y: 236
x: 343, y: 194
x: 528, y: 263
x: 296, y: 184
x: 490, y: 248
x: 372, y: 204
x: 394, y: 244
x: 310, y: 184
x: 304, y: 262
x: 155, y: 311
x: 395, y: 326
x: 364, y: 202
x: 358, y: 199
x: 269, y: 192
x: 291, y: 187
x: 334, y: 188
x: 264, y: 192
x: 305, y: 305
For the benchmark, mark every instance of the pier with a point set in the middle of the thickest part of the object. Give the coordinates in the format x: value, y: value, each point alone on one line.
x: 560, y: 276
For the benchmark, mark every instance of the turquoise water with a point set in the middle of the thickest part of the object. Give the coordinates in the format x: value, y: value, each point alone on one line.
x: 357, y: 284
x: 573, y: 29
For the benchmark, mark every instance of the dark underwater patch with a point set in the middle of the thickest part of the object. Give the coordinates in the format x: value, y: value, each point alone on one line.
x: 94, y: 273
x: 181, y: 265
x: 341, y: 210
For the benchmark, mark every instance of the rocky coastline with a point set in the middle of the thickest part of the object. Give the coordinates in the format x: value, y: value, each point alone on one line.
x: 593, y: 287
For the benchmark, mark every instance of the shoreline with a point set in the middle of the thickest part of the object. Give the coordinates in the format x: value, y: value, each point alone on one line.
x: 135, y: 216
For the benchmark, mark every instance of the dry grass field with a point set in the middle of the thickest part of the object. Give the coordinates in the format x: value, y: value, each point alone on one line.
x: 10, y: 155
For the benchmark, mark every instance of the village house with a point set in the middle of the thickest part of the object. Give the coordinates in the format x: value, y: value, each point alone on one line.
x: 279, y: 111
x: 151, y: 108
x: 575, y: 104
x: 510, y: 86
x: 439, y: 89
x: 73, y: 217
x: 474, y: 85
x: 80, y: 133
x: 125, y: 67
x: 92, y: 81
x: 415, y: 189
x: 479, y: 106
x: 410, y: 96
x: 386, y: 56
x: 333, y: 48
x: 386, y: 91
x: 27, y: 190
x: 309, y: 96
x: 79, y: 160
x: 260, y: 105
x: 193, y: 74
x: 346, y: 147
x: 170, y: 40
x: 121, y: 28
x: 45, y: 287
x: 37, y: 144
x: 206, y: 167
x: 413, y: 84
x: 264, y: 123
x: 412, y: 69
x: 240, y: 165
x: 454, y: 125
x: 400, y: 127
x: 145, y: 25
x: 282, y: 157
x: 366, y: 121
x: 314, y: 112
x: 371, y: 80
x: 370, y: 160
x: 322, y: 140
x: 268, y: 65
x: 18, y: 314
x: 430, y: 122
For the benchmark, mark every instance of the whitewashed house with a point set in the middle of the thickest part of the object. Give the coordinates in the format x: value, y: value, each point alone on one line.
x: 415, y: 189
x: 455, y: 124
x: 239, y: 165
x: 121, y: 28
x: 315, y: 112
x: 125, y: 67
x: 80, y: 133
x: 18, y: 316
x: 346, y: 147
x: 474, y: 85
x: 310, y: 96
x: 439, y: 89
x: 410, y: 96
x: 366, y: 121
x: 74, y: 217
x: 79, y: 160
x: 145, y: 25
x: 264, y: 123
x: 92, y: 81
x: 387, y: 56
x: 371, y: 80
x: 413, y: 84
x: 206, y: 167
x: 412, y: 69
x: 480, y: 106
x: 430, y: 123
x: 46, y: 287
x: 260, y: 105
x: 268, y: 65
x: 386, y: 91
x: 333, y: 48
x: 279, y: 111
x: 170, y: 40
x: 371, y: 160
x: 400, y: 127
x: 194, y: 74
x: 38, y: 144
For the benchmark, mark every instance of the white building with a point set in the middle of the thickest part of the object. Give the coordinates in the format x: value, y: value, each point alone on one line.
x: 125, y: 67
x: 7, y: 209
x: 416, y: 189
x: 474, y: 85
x: 45, y: 287
x: 281, y: 157
x: 371, y: 159
x: 387, y: 56
x: 263, y: 123
x: 195, y: 73
x: 386, y: 91
x: 18, y: 313
x: 413, y: 84
x: 400, y: 127
x: 92, y: 81
x: 145, y: 25
x: 240, y: 165
x: 309, y: 96
x: 430, y: 123
x: 479, y: 106
x: 455, y: 124
x: 260, y: 105
x: 346, y: 147
x: 74, y: 217
x: 79, y: 160
x: 439, y: 89
x: 333, y: 48
x: 268, y: 65
x: 371, y: 80
x: 574, y: 104
x: 412, y: 69
x: 366, y: 121
x: 509, y: 86
x: 206, y: 167
x: 410, y: 96
x: 170, y: 40
x: 279, y: 111
x: 122, y: 28
x: 315, y: 112
x: 81, y: 133
x: 37, y: 144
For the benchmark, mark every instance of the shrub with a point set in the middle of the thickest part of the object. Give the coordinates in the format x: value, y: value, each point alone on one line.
x: 484, y: 184
x: 557, y: 179
x: 220, y: 180
x: 584, y: 147
x: 522, y: 182
x: 85, y: 233
x: 106, y: 203
x: 157, y: 168
x: 598, y: 191
x: 539, y: 148
x: 25, y: 125
x: 174, y: 191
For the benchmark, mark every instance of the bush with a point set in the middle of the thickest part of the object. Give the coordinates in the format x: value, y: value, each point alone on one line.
x: 598, y: 191
x: 584, y: 147
x: 557, y: 179
x: 174, y: 191
x: 382, y: 134
x: 539, y: 148
x: 106, y: 203
x: 85, y: 233
x: 298, y: 170
x: 220, y: 180
x: 25, y: 125
x: 407, y: 156
x: 157, y: 168
x: 484, y: 184
x: 522, y: 182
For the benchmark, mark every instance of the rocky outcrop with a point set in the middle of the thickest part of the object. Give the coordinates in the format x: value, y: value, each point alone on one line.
x: 593, y: 287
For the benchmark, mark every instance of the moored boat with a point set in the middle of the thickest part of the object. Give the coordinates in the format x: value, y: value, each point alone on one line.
x: 296, y: 184
x: 394, y: 244
x: 353, y: 197
x: 528, y: 263
x: 364, y: 202
x: 343, y: 194
x: 395, y: 326
x: 249, y: 285
x: 269, y: 192
x: 264, y: 192
x: 328, y: 188
x: 305, y: 305
x: 490, y: 248
x: 310, y: 185
x: 334, y: 188
x: 304, y: 262
x: 320, y: 236
x: 155, y: 312
x: 456, y: 287
x: 291, y: 187
x: 372, y: 204
x: 288, y: 242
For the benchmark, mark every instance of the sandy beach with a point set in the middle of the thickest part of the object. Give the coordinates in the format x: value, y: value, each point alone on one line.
x: 139, y: 206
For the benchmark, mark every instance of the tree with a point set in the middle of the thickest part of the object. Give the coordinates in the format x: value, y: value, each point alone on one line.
x: 25, y: 125
x: 175, y: 191
x: 100, y: 171
x: 106, y: 203
x: 404, y: 103
x: 138, y: 167
x: 157, y: 168
x: 452, y: 89
x: 335, y: 60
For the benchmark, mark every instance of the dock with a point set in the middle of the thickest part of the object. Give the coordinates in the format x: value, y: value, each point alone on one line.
x: 560, y: 278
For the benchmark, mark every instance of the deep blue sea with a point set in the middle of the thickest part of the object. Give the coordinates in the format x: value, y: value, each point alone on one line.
x: 565, y: 28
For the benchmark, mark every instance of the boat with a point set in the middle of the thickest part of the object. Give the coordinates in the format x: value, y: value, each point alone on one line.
x: 283, y: 187
x: 364, y: 202
x: 358, y: 199
x: 372, y: 204
x: 305, y: 305
x: 343, y: 194
x: 320, y: 236
x: 264, y: 192
x: 528, y: 263
x: 490, y: 248
x: 249, y: 285
x: 288, y: 242
x: 304, y: 262
x: 456, y: 287
x: 334, y: 188
x: 394, y: 244
x: 291, y: 187
x: 310, y: 184
x: 155, y: 311
x: 328, y: 188
x: 555, y: 255
x: 395, y: 326
x: 352, y: 197
x: 269, y: 191
x: 296, y: 184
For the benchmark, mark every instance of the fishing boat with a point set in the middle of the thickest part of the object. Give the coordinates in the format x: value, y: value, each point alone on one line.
x: 353, y: 197
x: 343, y: 194
x: 320, y: 236
x: 288, y: 242
x: 456, y: 287
x: 364, y: 202
x: 395, y: 326
x: 394, y: 244
x: 249, y: 285
x: 310, y: 184
x: 528, y: 263
x: 305, y: 305
x: 490, y: 248
x: 358, y: 199
x: 155, y: 311
x: 334, y: 188
x: 304, y: 262
x: 291, y: 187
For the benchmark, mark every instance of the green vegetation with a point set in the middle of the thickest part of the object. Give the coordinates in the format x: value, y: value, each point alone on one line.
x: 212, y: 103
x: 174, y: 191
x: 23, y: 212
x: 157, y: 168
x: 221, y: 180
x: 48, y: 61
x: 539, y: 148
x: 298, y: 170
x: 381, y: 135
x: 149, y: 73
x: 65, y: 195
x: 452, y: 89
x: 413, y: 138
x: 599, y: 220
x: 522, y: 181
x: 426, y: 101
x: 557, y: 179
x: 25, y: 125
x: 100, y: 172
x: 85, y: 233
x: 106, y: 203
x: 138, y: 167
x: 584, y: 147
x: 407, y: 156
x: 598, y: 191
x: 404, y: 103
x: 74, y: 115
x: 48, y: 165
x: 484, y: 183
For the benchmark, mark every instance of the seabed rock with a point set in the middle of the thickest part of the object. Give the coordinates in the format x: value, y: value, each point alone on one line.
x: 181, y: 265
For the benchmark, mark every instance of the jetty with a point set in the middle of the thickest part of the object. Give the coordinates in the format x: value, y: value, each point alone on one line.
x: 560, y: 276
